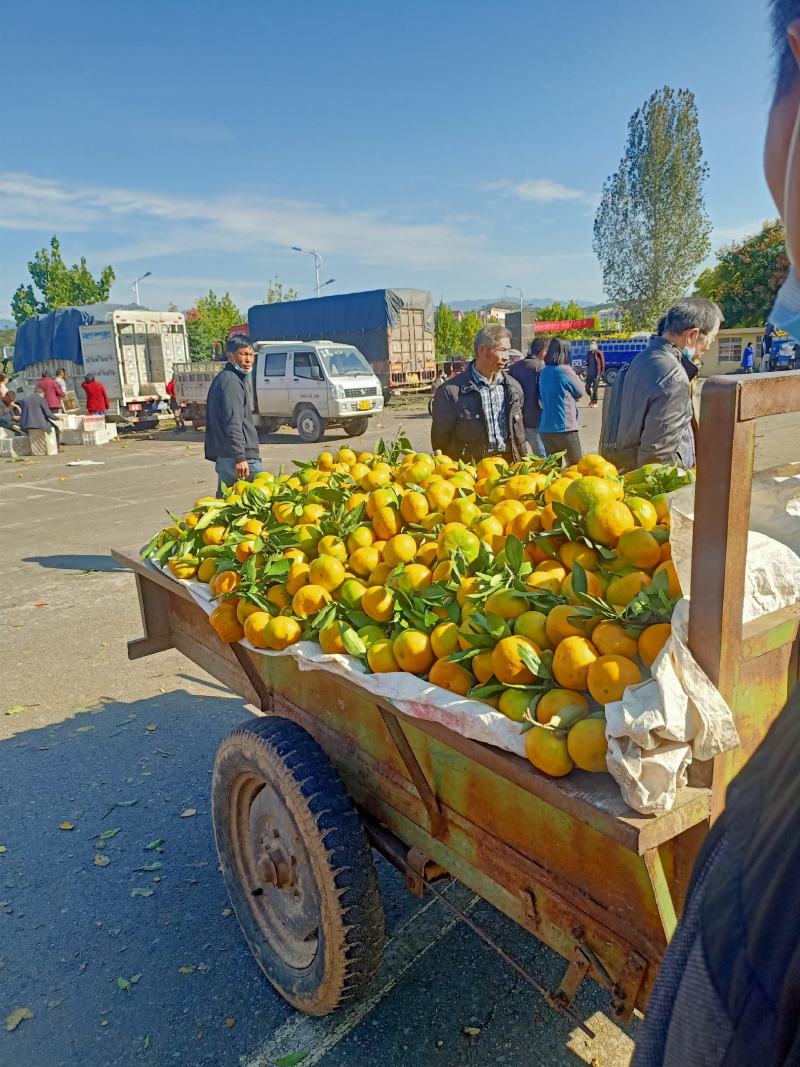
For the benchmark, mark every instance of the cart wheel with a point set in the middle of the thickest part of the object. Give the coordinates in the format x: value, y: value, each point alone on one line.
x: 297, y: 865
x: 356, y: 427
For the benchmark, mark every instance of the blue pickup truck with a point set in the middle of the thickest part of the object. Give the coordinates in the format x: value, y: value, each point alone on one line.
x: 617, y: 353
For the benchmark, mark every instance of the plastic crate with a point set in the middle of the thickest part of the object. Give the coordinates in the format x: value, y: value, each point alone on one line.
x: 94, y: 422
x: 111, y: 431
x: 95, y: 437
x: 72, y: 437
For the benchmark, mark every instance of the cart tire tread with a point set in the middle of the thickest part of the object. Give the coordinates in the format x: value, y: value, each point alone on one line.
x: 352, y: 921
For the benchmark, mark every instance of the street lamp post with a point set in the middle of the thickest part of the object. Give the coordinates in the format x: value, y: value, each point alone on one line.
x: 136, y: 281
x: 520, y: 295
x: 317, y: 264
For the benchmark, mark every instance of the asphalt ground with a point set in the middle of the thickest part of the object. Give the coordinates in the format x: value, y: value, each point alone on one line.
x: 126, y: 954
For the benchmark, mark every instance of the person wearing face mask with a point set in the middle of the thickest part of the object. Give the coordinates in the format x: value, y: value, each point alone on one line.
x: 595, y: 369
x: 655, y: 408
x: 231, y: 436
x: 728, y: 991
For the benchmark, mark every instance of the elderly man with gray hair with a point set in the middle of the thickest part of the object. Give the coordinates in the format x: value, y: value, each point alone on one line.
x: 478, y: 412
x: 648, y: 416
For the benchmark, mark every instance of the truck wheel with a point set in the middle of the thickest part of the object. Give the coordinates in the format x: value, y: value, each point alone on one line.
x: 310, y: 425
x: 297, y: 865
x: 355, y: 427
x: 611, y: 375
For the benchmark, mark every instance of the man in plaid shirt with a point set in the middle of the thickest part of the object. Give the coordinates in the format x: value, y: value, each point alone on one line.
x: 478, y: 413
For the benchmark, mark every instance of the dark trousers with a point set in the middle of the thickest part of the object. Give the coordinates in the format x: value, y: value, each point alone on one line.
x: 569, y: 442
x: 592, y: 386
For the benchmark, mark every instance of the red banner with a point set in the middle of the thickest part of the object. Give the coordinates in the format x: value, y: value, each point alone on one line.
x: 562, y: 325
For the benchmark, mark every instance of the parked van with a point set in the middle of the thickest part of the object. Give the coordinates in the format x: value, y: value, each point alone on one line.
x: 310, y: 385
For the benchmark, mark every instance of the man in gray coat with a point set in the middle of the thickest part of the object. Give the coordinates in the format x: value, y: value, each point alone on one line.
x: 651, y: 403
x: 231, y: 436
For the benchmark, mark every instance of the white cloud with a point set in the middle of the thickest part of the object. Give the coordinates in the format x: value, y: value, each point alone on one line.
x: 542, y: 191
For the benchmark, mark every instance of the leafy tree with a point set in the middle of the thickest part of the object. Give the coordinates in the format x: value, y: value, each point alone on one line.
x: 447, y: 331
x: 651, y: 231
x: 747, y: 276
x: 470, y: 325
x: 559, y: 312
x: 57, y: 285
x: 209, y: 321
x: 276, y: 294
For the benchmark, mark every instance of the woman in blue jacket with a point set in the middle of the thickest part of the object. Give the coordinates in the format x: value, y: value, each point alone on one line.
x: 560, y: 389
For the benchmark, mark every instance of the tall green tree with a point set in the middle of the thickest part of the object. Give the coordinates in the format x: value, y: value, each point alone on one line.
x: 651, y: 231
x: 558, y: 312
x: 57, y: 285
x: 447, y: 331
x: 209, y: 321
x: 277, y: 293
x: 747, y: 276
x: 470, y: 325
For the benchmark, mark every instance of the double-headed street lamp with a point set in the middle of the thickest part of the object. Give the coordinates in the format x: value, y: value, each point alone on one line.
x: 136, y: 281
x: 520, y: 295
x: 317, y: 264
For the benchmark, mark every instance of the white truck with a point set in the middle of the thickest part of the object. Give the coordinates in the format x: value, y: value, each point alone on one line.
x: 131, y: 351
x: 308, y: 385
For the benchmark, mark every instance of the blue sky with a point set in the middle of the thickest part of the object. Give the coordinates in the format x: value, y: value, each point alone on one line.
x: 452, y: 146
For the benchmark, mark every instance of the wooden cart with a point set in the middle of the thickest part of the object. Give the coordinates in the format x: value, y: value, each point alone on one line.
x: 301, y: 793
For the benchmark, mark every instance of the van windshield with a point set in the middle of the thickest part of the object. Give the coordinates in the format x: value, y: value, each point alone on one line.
x: 344, y: 363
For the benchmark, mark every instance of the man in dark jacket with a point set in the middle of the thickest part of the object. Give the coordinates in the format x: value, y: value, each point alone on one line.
x: 526, y: 372
x: 653, y: 398
x: 595, y: 369
x: 478, y: 412
x: 231, y: 436
x: 728, y: 992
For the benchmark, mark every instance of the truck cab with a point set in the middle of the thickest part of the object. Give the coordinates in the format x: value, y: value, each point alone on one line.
x: 313, y: 385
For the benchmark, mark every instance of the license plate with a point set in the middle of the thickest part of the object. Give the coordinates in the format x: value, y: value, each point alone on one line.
x: 364, y: 405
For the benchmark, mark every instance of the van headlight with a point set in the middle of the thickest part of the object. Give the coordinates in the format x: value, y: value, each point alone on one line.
x: 338, y: 392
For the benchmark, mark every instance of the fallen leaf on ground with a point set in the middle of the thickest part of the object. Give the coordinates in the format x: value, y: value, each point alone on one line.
x: 471, y: 1031
x: 159, y: 841
x: 156, y: 865
x: 151, y: 727
x: 14, y: 1018
x: 135, y: 978
x: 226, y: 912
x: 189, y: 969
x: 84, y: 729
x: 139, y: 892
x: 230, y: 1022
x: 3, y: 850
x: 19, y: 708
x: 106, y: 835
x: 40, y: 603
x: 124, y: 984
x: 146, y: 1042
x: 188, y: 812
x: 120, y: 804
x: 101, y: 861
x: 291, y: 1060
x: 66, y: 826
x: 54, y: 1003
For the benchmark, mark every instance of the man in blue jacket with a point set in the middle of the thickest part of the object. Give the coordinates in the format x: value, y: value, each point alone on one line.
x: 231, y: 436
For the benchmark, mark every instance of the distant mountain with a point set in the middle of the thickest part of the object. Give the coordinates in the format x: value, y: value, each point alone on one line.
x: 511, y: 305
x: 7, y: 324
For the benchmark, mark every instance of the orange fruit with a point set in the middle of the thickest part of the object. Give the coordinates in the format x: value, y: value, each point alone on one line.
x: 609, y: 676
x: 278, y: 596
x: 522, y: 526
x: 380, y: 657
x: 547, y: 751
x: 490, y: 530
x: 223, y: 582
x: 381, y: 574
x: 414, y: 507
x: 309, y: 600
x: 214, y: 535
x: 587, y: 745
x: 507, y: 664
x: 593, y: 587
x: 330, y: 639
x: 400, y: 549
x: 462, y: 510
x: 506, y: 603
x: 454, y: 536
x: 583, y: 494
x: 610, y: 639
x: 547, y: 575
x: 555, y: 701
x: 255, y: 627
x: 439, y: 493
x: 563, y: 622
x: 333, y: 546
x: 413, y: 652
x: 483, y: 666
x: 571, y: 662
x: 364, y: 561
x: 556, y: 490
x: 574, y: 551
x: 206, y: 570
x: 594, y: 464
x: 297, y: 577
x: 428, y: 553
x: 413, y: 576
x: 533, y: 624
x: 226, y: 624
x: 668, y: 568
x: 186, y: 568
x: 378, y: 603
x: 444, y: 639
x: 644, y: 513
x: 386, y: 522
x: 246, y: 608
x: 244, y: 550
x: 621, y: 591
x: 327, y: 572
x: 361, y: 537
x: 515, y: 703
x: 607, y: 522
x: 652, y: 640
x: 639, y: 548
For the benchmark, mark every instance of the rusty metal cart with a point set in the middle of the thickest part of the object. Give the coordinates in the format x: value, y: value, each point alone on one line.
x: 300, y: 794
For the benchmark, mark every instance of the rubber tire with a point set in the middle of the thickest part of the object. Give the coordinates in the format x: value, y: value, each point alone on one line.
x: 611, y: 376
x: 310, y: 425
x: 352, y: 921
x: 268, y: 426
x: 356, y: 427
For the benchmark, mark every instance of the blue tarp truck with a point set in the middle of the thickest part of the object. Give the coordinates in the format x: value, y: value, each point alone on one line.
x: 618, y: 352
x: 392, y: 328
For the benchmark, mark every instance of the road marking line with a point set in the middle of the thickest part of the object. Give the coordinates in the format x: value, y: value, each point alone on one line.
x: 316, y: 1037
